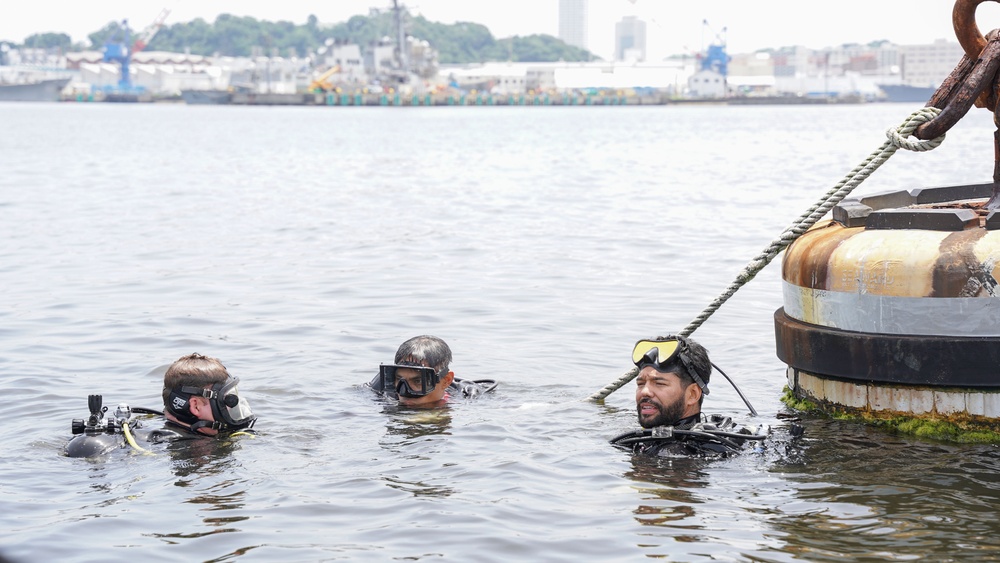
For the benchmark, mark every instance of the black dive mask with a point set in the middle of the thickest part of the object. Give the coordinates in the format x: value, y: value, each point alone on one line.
x: 231, y: 412
x: 418, y: 383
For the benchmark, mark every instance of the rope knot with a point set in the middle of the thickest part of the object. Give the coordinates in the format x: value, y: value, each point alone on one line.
x: 899, y: 137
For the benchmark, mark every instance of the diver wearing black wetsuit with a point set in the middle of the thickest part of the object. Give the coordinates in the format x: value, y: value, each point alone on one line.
x: 465, y: 388
x: 699, y: 435
x: 673, y: 379
x: 200, y: 398
x: 419, y: 375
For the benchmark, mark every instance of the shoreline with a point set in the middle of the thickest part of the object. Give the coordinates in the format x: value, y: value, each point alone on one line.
x: 222, y: 97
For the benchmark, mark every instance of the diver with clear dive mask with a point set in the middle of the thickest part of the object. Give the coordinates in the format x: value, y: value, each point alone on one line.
x: 419, y: 375
x: 200, y: 399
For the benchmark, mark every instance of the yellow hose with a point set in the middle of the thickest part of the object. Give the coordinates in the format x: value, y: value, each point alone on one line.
x: 131, y: 440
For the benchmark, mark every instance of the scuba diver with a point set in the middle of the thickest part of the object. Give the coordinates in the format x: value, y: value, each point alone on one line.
x: 419, y: 375
x: 672, y: 383
x: 200, y: 399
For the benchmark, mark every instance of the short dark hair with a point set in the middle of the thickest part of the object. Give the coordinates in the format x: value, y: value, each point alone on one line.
x: 697, y: 356
x: 425, y: 350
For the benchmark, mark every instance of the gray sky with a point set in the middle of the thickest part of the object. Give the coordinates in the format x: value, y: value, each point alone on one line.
x: 672, y: 26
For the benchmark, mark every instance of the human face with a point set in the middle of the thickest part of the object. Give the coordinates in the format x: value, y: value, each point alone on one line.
x: 412, y: 378
x: 201, y: 408
x: 661, y: 398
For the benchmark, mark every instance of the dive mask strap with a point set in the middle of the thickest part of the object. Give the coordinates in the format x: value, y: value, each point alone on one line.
x: 206, y: 424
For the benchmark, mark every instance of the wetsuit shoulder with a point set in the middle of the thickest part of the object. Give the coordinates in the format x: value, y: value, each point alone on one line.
x: 166, y: 433
x: 698, y: 435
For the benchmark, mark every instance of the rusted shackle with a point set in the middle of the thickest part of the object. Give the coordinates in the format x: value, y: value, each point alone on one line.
x: 963, y: 19
x: 974, y: 80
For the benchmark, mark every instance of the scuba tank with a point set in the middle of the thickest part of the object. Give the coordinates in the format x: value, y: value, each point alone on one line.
x: 98, y: 435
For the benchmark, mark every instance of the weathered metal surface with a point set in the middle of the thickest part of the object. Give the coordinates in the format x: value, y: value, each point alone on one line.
x: 931, y: 219
x: 910, y: 298
x: 913, y: 400
x: 888, y: 315
x: 854, y: 211
x: 902, y: 263
x: 875, y: 359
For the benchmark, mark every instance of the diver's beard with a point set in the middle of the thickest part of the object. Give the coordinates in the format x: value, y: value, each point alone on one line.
x: 666, y: 416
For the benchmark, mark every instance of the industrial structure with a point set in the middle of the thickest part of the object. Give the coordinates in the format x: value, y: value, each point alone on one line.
x: 119, y: 48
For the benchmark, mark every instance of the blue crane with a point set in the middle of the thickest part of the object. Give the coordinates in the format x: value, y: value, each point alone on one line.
x: 119, y: 47
x: 715, y: 57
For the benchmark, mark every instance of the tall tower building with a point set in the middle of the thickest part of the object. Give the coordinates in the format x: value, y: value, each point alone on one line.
x: 630, y: 39
x: 573, y: 22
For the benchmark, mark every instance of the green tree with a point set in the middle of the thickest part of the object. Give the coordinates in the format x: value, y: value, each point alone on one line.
x: 103, y: 35
x: 457, y: 43
x: 48, y: 41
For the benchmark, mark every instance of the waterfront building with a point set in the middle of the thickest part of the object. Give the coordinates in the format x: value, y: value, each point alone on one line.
x: 878, y: 70
x: 573, y: 22
x: 157, y: 72
x: 630, y: 39
x: 707, y: 83
x: 751, y: 74
x: 928, y: 64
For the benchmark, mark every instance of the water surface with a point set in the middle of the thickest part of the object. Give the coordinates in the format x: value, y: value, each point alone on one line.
x: 302, y: 245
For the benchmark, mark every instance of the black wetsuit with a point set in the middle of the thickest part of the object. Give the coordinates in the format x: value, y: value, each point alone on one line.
x: 466, y: 388
x: 700, y: 435
x: 169, y: 432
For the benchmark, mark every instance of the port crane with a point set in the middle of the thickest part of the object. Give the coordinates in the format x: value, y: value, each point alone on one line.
x: 119, y: 48
x: 715, y: 57
x: 322, y: 82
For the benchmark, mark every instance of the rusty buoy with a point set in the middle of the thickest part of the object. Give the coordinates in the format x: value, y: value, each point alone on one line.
x: 893, y: 306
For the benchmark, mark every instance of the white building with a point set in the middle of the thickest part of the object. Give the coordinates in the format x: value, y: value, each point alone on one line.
x: 707, y: 84
x: 929, y: 64
x: 573, y: 22
x: 509, y: 78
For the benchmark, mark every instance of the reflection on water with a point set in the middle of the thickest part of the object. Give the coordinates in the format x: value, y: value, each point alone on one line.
x: 669, y: 487
x: 302, y: 244
x: 410, y: 439
x: 875, y: 495
x: 413, y: 424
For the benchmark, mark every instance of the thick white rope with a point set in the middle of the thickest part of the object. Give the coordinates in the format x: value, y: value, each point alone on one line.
x: 898, y: 138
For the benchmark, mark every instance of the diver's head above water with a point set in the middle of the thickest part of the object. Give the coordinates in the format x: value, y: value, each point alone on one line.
x: 419, y: 374
x: 200, y: 394
x: 673, y: 379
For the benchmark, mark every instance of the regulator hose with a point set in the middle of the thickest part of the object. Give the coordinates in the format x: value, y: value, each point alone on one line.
x: 131, y: 440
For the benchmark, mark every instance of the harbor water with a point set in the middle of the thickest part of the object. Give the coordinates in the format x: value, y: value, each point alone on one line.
x: 301, y: 245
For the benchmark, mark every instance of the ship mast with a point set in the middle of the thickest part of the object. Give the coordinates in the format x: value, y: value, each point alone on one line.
x: 397, y: 14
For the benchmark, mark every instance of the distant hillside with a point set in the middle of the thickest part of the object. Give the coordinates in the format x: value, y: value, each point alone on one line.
x: 461, y: 42
x: 230, y: 35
